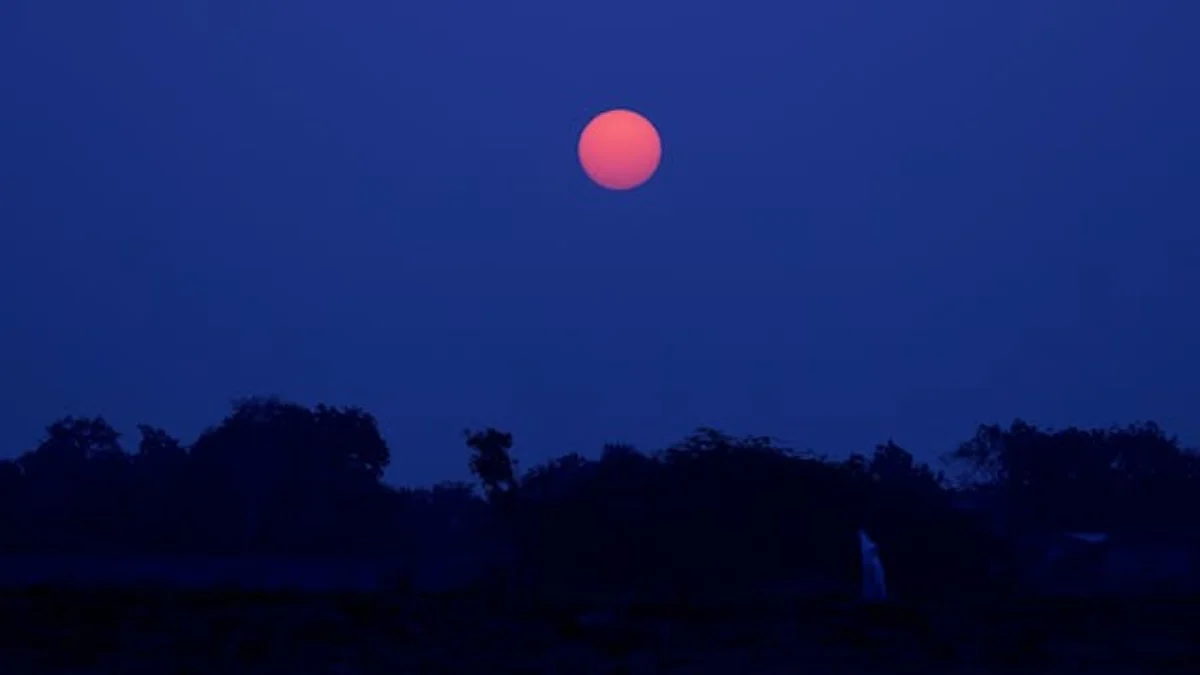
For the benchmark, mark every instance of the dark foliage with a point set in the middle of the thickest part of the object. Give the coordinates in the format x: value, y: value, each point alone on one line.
x: 713, y: 513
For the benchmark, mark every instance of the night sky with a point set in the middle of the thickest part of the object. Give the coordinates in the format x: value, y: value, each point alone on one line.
x: 872, y: 219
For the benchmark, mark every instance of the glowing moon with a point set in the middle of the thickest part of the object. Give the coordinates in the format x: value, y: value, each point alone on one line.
x: 619, y: 149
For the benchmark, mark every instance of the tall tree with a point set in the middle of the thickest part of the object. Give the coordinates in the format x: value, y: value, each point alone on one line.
x: 1130, y: 477
x: 492, y: 463
x: 292, y: 471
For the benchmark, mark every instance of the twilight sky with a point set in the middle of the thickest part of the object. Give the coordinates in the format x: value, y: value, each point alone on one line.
x: 872, y: 218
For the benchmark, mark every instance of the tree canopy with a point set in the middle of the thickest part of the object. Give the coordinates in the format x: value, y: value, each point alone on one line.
x: 278, y: 478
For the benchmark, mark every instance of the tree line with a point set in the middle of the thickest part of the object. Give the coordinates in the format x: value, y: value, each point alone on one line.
x: 278, y: 478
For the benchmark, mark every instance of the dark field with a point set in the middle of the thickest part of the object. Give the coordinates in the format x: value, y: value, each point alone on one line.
x: 76, y: 631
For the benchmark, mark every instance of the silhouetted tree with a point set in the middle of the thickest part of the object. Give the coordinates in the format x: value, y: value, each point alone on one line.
x: 66, y: 474
x: 159, y: 448
x: 928, y: 546
x: 1124, y: 478
x: 492, y: 463
x: 285, y: 468
x: 712, y: 513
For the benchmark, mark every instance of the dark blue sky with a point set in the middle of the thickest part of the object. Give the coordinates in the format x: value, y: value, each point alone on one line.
x: 872, y: 219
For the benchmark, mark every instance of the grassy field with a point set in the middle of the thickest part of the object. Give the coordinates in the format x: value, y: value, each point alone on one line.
x: 161, y: 631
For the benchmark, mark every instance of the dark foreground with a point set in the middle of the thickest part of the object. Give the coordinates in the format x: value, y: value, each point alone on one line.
x: 229, y: 632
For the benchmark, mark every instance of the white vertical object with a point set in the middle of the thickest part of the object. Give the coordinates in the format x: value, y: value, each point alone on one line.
x: 874, y: 589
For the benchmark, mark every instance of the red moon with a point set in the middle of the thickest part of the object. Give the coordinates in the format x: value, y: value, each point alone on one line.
x: 619, y: 149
